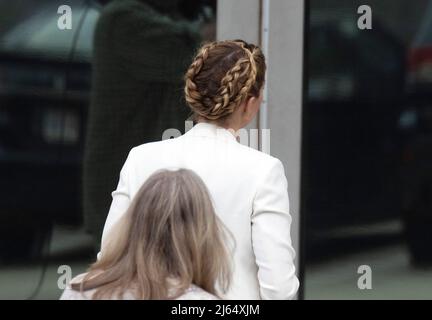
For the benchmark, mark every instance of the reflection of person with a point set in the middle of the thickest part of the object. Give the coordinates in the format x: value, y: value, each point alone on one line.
x: 141, y: 51
x: 224, y: 87
x: 169, y: 244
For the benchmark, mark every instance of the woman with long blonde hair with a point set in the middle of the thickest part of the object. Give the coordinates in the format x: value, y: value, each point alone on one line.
x: 168, y: 245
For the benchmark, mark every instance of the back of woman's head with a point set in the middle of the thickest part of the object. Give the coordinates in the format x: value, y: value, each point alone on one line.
x: 222, y: 75
x: 169, y: 238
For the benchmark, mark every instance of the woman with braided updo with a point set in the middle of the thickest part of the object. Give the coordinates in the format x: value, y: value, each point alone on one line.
x: 223, y: 88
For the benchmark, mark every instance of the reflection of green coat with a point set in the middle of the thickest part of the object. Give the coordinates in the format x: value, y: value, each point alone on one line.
x: 140, y: 57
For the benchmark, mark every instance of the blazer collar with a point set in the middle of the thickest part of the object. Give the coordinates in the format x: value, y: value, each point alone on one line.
x: 204, y: 129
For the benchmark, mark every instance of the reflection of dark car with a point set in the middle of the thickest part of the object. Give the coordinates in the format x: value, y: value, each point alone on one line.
x: 416, y: 177
x: 44, y: 93
x: 45, y: 76
x: 416, y: 127
x: 356, y: 81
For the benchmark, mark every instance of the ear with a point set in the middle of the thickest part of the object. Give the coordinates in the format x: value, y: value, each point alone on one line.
x: 251, y: 107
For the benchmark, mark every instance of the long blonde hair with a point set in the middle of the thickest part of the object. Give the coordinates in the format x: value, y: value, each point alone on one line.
x: 169, y: 239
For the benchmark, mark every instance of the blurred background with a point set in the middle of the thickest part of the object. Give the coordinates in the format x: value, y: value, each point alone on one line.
x: 367, y: 138
x: 368, y: 150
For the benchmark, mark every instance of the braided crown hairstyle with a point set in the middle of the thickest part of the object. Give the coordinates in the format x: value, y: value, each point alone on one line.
x: 223, y: 75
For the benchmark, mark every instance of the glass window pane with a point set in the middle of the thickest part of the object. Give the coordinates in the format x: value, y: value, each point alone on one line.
x: 367, y: 150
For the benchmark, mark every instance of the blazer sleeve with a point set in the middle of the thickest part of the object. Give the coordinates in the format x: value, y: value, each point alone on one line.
x: 271, y: 239
x: 121, y: 199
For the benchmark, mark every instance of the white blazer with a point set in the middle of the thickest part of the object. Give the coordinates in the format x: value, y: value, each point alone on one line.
x: 249, y: 192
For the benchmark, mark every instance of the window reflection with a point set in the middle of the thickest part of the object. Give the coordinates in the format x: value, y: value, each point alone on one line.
x: 47, y: 87
x: 367, y: 149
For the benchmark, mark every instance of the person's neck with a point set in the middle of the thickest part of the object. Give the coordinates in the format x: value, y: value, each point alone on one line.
x: 223, y: 124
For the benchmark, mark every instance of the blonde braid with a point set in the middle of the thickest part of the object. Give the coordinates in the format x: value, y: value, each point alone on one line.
x: 193, y: 96
x: 229, y: 84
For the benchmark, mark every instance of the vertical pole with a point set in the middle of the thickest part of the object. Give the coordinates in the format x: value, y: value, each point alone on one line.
x: 285, y: 97
x: 277, y: 26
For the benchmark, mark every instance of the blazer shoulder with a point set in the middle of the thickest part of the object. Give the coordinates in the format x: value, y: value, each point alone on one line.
x: 145, y: 148
x: 259, y: 157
